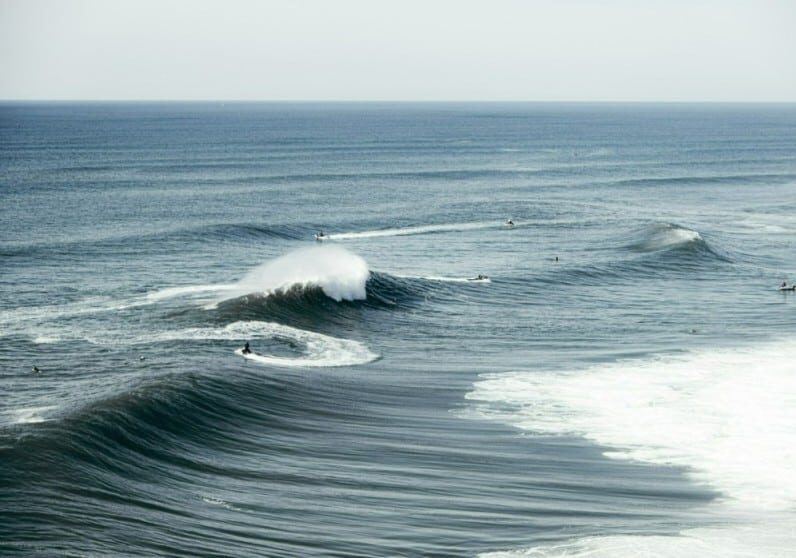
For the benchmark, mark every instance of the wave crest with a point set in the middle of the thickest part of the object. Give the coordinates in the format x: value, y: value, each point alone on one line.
x: 665, y: 236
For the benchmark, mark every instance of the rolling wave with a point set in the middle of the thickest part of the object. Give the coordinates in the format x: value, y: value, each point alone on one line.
x: 661, y: 248
x: 672, y: 246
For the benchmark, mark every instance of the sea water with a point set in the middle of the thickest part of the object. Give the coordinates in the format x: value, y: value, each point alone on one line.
x: 622, y: 383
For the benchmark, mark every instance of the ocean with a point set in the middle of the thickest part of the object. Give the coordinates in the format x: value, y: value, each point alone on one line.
x: 620, y: 381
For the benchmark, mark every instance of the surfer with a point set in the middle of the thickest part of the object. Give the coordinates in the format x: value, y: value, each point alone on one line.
x: 35, y: 370
x: 480, y: 277
x: 320, y: 235
x: 784, y: 285
x: 246, y: 350
x: 510, y: 223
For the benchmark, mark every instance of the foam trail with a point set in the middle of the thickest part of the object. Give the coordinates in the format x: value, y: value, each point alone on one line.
x: 174, y: 292
x: 339, y: 273
x: 729, y: 417
x: 23, y: 316
x: 456, y: 279
x: 423, y: 229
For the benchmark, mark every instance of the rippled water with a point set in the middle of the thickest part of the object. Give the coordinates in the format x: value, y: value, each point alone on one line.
x: 618, y: 382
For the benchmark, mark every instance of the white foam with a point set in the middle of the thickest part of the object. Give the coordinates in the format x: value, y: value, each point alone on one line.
x: 444, y: 279
x: 423, y: 229
x: 213, y: 501
x: 727, y: 416
x: 46, y: 339
x: 319, y: 350
x: 189, y: 290
x: 30, y: 415
x: 341, y: 274
x: 770, y: 539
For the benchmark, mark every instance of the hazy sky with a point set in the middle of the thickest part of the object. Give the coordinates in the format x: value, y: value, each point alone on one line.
x: 620, y: 50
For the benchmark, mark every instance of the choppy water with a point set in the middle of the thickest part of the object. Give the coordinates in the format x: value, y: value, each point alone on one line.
x: 635, y: 397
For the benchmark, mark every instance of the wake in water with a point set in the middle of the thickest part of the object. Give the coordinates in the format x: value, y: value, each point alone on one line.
x: 318, y: 349
x: 422, y: 229
x: 726, y: 416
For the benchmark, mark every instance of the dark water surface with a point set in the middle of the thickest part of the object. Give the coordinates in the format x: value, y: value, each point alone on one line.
x: 636, y: 397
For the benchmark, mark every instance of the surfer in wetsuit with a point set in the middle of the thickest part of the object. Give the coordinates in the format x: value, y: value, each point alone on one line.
x: 783, y: 285
x: 510, y: 223
x: 246, y: 349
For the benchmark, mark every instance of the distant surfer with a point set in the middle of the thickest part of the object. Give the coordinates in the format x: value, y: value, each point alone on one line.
x: 480, y: 277
x: 246, y: 350
x: 510, y: 223
x: 556, y: 258
x: 320, y: 236
x: 35, y: 370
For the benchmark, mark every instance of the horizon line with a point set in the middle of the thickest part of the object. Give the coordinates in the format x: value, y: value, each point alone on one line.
x: 396, y: 101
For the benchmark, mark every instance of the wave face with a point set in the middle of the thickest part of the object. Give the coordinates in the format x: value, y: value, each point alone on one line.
x: 724, y: 416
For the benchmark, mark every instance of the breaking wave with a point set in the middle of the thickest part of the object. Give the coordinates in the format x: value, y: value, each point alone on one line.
x: 339, y: 273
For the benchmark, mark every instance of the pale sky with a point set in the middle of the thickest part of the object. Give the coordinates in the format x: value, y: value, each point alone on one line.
x: 534, y: 50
